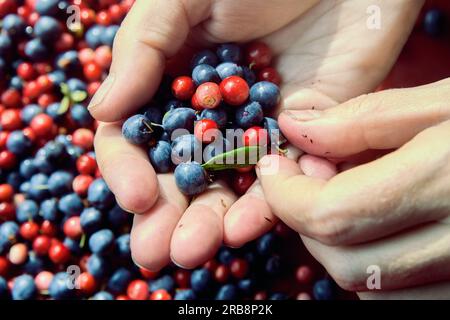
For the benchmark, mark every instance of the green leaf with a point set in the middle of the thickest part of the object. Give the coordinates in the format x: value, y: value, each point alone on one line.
x: 78, y: 96
x: 64, y: 89
x: 64, y: 105
x: 237, y: 158
x: 83, y: 241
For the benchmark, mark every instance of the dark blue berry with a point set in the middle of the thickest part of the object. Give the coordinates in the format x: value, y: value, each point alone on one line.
x: 49, y: 209
x: 186, y: 148
x: 179, y: 118
x: 97, y: 266
x: 4, y: 291
x: 18, y: 143
x: 191, y: 178
x: 185, y: 294
x: 36, y: 50
x: 119, y: 280
x: 47, y: 7
x: 205, y: 73
x: 266, y: 93
x: 200, y: 280
x: 27, y: 210
x: 229, y: 52
x: 81, y: 115
x: 102, y: 295
x: 205, y: 57
x: 137, y: 129
x: 249, y: 115
x: 99, y: 194
x: 24, y: 288
x: 227, y: 292
x: 273, y: 265
x: 13, y: 25
x: 101, y: 241
x: 218, y: 115
x: 278, y: 296
x: 165, y: 282
x: 434, y: 22
x: 34, y: 264
x: 91, y: 220
x: 108, y: 34
x: 70, y: 204
x: 323, y: 290
x: 266, y: 244
x: 161, y: 157
x: 123, y: 246
x: 94, y: 36
x: 47, y: 29
x: 59, y: 288
x: 228, y: 69
x: 60, y: 182
x: 29, y: 112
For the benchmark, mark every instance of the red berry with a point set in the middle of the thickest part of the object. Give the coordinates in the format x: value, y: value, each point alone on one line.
x: 103, y: 18
x: 303, y: 296
x: 147, y: 274
x: 255, y: 136
x: 87, y: 17
x: 7, y: 211
x: 72, y: 227
x: 26, y: 71
x: 86, y: 56
x: 269, y: 74
x: 65, y: 42
x: 242, y: 181
x: 182, y: 278
x: 31, y: 89
x: 48, y: 228
x: 92, y: 71
x: 194, y: 103
x: 7, y: 6
x: 93, y: 87
x: 183, y: 88
x: 261, y: 295
x: 4, y: 266
x: 59, y: 253
x: 10, y: 120
x: 86, y: 283
x: 206, y: 130
x: 18, y: 253
x: 6, y: 192
x: 222, y: 273
x: 83, y: 138
x: 116, y: 12
x: 29, y: 230
x: 258, y: 55
x: 81, y: 184
x: 103, y: 57
x: 211, y: 265
x: 239, y: 268
x: 7, y: 159
x: 304, y: 275
x: 138, y: 290
x: 3, y: 138
x: 160, y: 294
x: 44, y: 83
x: 46, y: 99
x: 234, y: 90
x: 122, y: 297
x: 86, y: 164
x: 42, y: 124
x: 208, y: 95
x: 43, y: 280
x: 41, y: 245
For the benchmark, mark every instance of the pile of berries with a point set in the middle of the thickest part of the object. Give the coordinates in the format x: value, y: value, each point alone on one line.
x: 62, y: 235
x: 206, y: 121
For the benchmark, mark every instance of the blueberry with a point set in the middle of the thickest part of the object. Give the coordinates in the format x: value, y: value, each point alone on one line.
x: 186, y: 148
x: 99, y: 194
x: 191, y: 178
x: 70, y: 204
x: 278, y: 296
x: 249, y: 115
x: 14, y: 25
x: 200, y: 280
x: 225, y: 256
x: 165, y: 282
x: 228, y: 69
x: 49, y: 209
x: 72, y: 245
x: 14, y: 179
x: 434, y: 22
x: 60, y: 182
x: 25, y: 187
x: 323, y: 290
x: 74, y: 152
x: 24, y: 288
x: 227, y: 292
x: 229, y: 52
x: 57, y: 77
x: 81, y: 115
x: 123, y: 246
x: 18, y: 143
x: 185, y: 294
x: 29, y: 112
x: 215, y: 148
x: 173, y: 104
x: 4, y: 291
x: 36, y: 50
x: 204, y: 57
x: 153, y: 114
x: 266, y: 93
x: 15, y: 78
x: 27, y: 168
x: 39, y: 187
x: 9, y: 230
x: 47, y: 7
x: 59, y: 288
x: 180, y: 118
x: 102, y: 295
x: 160, y: 157
x: 101, y: 241
x: 94, y: 36
x: 219, y: 115
x: 47, y: 29
x: 249, y: 76
x: 27, y: 210
x: 97, y: 266
x: 15, y: 82
x: 205, y: 73
x: 137, y: 129
x: 275, y: 136
x: 119, y: 280
x: 5, y: 45
x: 246, y: 285
x: 273, y: 265
x: 91, y: 220
x: 67, y: 60
x: 108, y: 35
x: 266, y: 244
x: 75, y: 84
x: 117, y: 217
x: 54, y: 110
x: 34, y: 264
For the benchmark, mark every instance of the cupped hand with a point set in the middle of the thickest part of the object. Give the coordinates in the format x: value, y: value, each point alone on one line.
x: 391, y: 212
x: 325, y: 54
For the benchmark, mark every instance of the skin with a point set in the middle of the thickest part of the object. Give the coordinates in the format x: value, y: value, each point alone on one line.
x: 320, y: 68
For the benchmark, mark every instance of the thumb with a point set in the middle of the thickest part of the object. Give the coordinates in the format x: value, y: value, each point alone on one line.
x: 152, y: 32
x: 382, y: 120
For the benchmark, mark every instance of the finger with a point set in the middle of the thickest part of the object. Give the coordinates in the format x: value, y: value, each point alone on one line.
x: 152, y: 32
x: 126, y: 169
x: 358, y: 205
x: 152, y: 231
x: 412, y: 258
x: 382, y: 120
x: 199, y: 233
x: 248, y: 218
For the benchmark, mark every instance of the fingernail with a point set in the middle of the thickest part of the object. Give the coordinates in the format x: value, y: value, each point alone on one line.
x: 303, y: 115
x: 123, y: 208
x: 102, y: 92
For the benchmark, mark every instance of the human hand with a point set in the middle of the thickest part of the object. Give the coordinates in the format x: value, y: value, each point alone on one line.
x: 319, y: 65
x: 392, y: 212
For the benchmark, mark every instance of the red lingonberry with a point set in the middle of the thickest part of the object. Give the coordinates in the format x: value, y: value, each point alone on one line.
x: 7, y: 211
x: 81, y: 184
x: 137, y: 290
x: 206, y: 130
x: 242, y: 181
x: 83, y: 138
x: 222, y: 273
x: 65, y: 42
x: 255, y: 136
x: 29, y: 230
x: 160, y: 294
x: 258, y: 55
x: 26, y: 71
x: 208, y: 95
x: 44, y: 83
x: 11, y: 98
x: 182, y: 278
x: 92, y: 71
x: 86, y: 283
x: 116, y: 12
x: 147, y: 274
x: 7, y: 160
x: 103, y: 18
x: 72, y: 227
x: 6, y: 192
x: 59, y: 253
x: 41, y: 245
x: 86, y: 164
x: 4, y: 266
x: 18, y: 253
x: 86, y: 56
x: 46, y: 99
x: 122, y: 297
x: 211, y: 265
x: 269, y: 74
x: 260, y: 295
x: 93, y: 87
x: 304, y: 275
x: 87, y: 17
x: 103, y: 57
x: 234, y: 90
x: 10, y: 120
x: 183, y: 88
x: 42, y: 124
x: 48, y: 228
x: 239, y: 268
x: 43, y: 280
